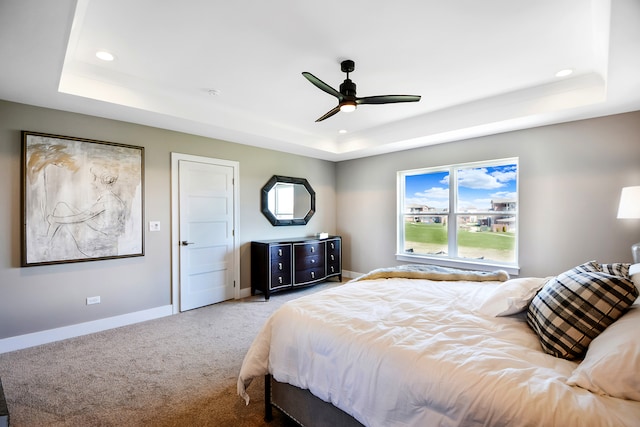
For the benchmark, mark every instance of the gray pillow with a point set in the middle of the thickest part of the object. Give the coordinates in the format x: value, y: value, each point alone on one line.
x: 576, y: 306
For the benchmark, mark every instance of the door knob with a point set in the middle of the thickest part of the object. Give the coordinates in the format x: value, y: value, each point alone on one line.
x: 185, y: 243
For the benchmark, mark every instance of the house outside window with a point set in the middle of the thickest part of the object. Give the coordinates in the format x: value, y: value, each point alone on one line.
x: 463, y: 215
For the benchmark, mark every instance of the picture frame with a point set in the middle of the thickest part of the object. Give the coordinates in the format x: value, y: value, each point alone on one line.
x: 82, y: 200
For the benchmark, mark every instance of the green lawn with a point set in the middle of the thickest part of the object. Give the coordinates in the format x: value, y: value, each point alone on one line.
x: 422, y: 232
x: 437, y: 234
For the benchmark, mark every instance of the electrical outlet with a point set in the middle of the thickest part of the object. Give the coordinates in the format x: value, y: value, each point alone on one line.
x: 154, y: 225
x: 93, y: 300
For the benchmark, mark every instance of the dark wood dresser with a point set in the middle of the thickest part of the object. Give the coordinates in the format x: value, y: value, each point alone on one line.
x: 278, y: 265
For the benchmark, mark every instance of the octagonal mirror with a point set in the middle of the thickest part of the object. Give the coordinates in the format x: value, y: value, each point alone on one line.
x: 285, y: 200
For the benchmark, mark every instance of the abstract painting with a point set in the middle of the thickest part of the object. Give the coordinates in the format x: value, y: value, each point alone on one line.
x: 82, y: 200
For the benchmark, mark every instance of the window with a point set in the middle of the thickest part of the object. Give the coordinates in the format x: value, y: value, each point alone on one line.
x: 460, y: 214
x: 281, y: 200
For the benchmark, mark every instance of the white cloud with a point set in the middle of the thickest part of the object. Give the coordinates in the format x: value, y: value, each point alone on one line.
x: 506, y: 175
x: 504, y: 195
x: 435, y: 197
x: 481, y: 179
x: 477, y: 179
x: 435, y: 193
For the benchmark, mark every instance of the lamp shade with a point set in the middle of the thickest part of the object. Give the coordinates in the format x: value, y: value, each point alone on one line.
x: 629, y: 202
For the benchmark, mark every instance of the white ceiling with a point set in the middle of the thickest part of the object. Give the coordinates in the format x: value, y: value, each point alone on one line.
x: 481, y: 67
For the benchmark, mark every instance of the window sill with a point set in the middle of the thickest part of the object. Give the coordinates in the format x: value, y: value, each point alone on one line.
x: 458, y: 263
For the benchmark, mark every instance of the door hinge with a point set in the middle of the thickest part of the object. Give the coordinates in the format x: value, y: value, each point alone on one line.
x: 234, y: 283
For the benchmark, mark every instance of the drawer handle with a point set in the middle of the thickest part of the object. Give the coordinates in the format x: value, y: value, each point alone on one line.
x: 333, y: 258
x: 313, y: 249
x: 313, y: 274
x: 332, y: 269
x: 313, y: 261
x: 279, y: 266
x: 280, y: 280
x: 332, y: 246
x: 279, y: 252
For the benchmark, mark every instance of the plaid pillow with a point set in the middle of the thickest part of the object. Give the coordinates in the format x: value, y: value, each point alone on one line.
x: 587, y: 267
x: 575, y: 307
x: 617, y: 269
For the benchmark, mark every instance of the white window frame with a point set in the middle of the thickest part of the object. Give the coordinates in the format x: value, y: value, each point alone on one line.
x: 452, y: 214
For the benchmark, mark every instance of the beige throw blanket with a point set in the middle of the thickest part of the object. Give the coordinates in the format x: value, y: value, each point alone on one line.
x: 433, y: 272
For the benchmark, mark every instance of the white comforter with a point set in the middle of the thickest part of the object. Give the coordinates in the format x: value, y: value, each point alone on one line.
x: 401, y: 352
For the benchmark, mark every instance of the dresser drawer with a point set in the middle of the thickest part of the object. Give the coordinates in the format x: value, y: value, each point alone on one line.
x: 333, y: 269
x: 308, y: 275
x: 281, y: 252
x: 304, y: 250
x: 333, y: 246
x: 279, y: 280
x: 309, y: 249
x: 280, y: 266
x: 309, y: 261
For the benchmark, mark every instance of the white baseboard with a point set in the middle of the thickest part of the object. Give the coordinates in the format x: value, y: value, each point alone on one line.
x: 58, y: 334
x: 51, y: 335
x: 351, y: 274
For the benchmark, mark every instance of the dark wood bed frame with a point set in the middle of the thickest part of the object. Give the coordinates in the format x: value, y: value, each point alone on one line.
x: 302, y: 407
x: 4, y: 412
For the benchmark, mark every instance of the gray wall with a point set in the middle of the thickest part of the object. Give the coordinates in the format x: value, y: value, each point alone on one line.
x: 45, y: 297
x: 570, y: 180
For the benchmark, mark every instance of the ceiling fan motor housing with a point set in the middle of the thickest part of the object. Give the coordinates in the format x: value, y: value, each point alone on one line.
x: 348, y: 88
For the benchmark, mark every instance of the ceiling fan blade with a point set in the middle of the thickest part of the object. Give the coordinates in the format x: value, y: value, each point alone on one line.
x: 322, y: 85
x: 387, y: 99
x: 329, y: 114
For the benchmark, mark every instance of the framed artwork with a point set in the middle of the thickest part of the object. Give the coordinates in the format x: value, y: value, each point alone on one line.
x: 82, y: 200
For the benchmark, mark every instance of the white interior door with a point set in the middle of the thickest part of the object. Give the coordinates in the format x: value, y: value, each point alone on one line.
x: 206, y: 244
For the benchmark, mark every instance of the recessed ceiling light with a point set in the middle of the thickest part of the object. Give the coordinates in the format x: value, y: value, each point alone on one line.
x: 104, y: 55
x: 213, y: 92
x: 342, y: 131
x: 564, y: 73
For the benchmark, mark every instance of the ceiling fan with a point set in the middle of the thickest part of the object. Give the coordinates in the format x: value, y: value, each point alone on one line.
x: 347, y: 99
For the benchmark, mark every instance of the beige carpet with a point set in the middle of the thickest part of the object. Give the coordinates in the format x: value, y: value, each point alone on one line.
x: 179, y: 370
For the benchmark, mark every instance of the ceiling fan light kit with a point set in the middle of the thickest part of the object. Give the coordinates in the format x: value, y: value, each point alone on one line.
x: 347, y: 99
x: 348, y: 106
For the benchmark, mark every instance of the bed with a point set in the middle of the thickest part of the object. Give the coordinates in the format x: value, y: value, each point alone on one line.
x: 428, y: 346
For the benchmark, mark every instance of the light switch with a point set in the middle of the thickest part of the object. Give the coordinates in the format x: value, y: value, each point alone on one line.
x: 154, y: 225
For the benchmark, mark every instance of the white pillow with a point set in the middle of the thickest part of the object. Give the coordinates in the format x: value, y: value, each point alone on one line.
x: 511, y: 297
x: 634, y: 272
x: 612, y: 363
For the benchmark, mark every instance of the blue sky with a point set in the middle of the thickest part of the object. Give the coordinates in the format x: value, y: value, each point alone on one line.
x: 476, y: 187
